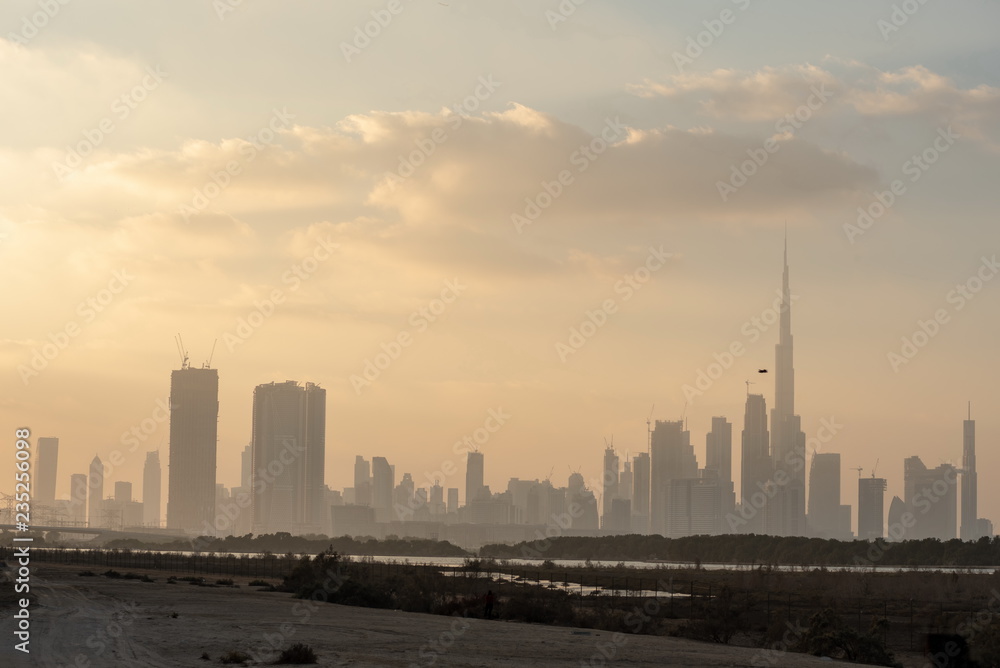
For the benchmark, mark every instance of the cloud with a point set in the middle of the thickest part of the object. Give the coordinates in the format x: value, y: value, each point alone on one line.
x: 770, y: 93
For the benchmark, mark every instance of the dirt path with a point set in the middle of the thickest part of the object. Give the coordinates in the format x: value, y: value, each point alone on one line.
x: 105, y: 623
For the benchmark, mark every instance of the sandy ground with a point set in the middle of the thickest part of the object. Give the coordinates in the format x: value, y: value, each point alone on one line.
x: 95, y: 621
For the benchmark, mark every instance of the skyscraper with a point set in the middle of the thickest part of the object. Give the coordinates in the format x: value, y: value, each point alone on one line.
x: 672, y: 458
x: 95, y: 493
x: 871, y: 508
x: 757, y: 468
x: 825, y: 519
x: 788, y: 442
x: 474, y: 467
x: 289, y: 444
x: 362, y: 481
x: 610, y: 475
x: 123, y: 491
x: 931, y: 495
x: 970, y: 481
x: 383, y: 483
x: 194, y: 417
x: 45, y: 471
x: 152, y: 480
x: 719, y: 462
x: 78, y: 498
x: 640, y: 493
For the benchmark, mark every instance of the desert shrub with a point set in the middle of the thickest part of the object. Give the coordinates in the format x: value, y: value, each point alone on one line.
x: 234, y: 656
x: 259, y: 583
x: 86, y: 574
x: 828, y: 635
x: 111, y: 574
x: 224, y: 581
x: 298, y: 653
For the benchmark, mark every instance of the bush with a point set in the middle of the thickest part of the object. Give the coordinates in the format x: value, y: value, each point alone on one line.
x: 259, y: 583
x: 111, y: 574
x: 86, y: 574
x: 225, y: 581
x: 234, y: 656
x: 298, y: 654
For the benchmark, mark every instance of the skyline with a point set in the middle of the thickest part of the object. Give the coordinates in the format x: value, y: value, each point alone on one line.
x: 316, y: 231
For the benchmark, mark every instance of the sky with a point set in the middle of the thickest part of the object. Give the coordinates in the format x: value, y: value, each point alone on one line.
x: 562, y: 213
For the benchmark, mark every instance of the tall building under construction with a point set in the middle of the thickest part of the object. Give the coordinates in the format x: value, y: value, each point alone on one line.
x: 194, y: 422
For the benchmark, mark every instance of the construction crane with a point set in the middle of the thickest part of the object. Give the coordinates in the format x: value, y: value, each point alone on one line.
x: 859, y: 470
x: 208, y: 364
x: 875, y: 468
x: 180, y: 349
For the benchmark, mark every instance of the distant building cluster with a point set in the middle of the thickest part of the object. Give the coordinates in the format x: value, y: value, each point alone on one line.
x: 661, y: 491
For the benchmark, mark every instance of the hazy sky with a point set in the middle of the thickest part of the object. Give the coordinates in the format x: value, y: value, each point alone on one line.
x: 176, y: 167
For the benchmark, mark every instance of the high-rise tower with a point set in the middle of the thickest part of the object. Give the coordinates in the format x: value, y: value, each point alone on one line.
x: 474, y: 466
x: 755, y: 490
x: 95, y: 493
x: 788, y: 442
x: 194, y: 422
x: 45, y: 471
x: 152, y: 478
x: 970, y: 482
x: 289, y: 444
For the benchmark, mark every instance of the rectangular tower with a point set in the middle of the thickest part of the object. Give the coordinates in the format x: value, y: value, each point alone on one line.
x: 640, y: 493
x: 474, y: 467
x: 970, y: 481
x: 871, y: 508
x: 288, y: 446
x: 194, y: 418
x: 757, y: 468
x: 152, y: 480
x: 44, y: 476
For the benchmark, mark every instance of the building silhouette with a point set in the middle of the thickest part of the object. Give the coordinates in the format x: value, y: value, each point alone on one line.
x: 289, y: 443
x: 719, y: 465
x: 609, y: 479
x: 931, y: 495
x: 383, y: 484
x: 78, y: 499
x: 362, y: 481
x: 871, y: 508
x: 194, y: 416
x: 827, y: 518
x: 45, y: 470
x: 970, y: 481
x: 640, y: 493
x: 474, y: 468
x: 757, y: 468
x: 95, y: 493
x: 788, y: 442
x: 152, y: 479
x: 671, y: 458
